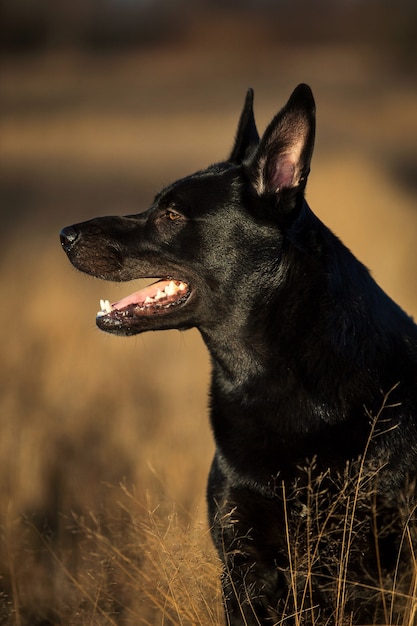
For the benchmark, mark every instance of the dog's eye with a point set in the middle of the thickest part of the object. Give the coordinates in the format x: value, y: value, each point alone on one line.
x: 173, y: 215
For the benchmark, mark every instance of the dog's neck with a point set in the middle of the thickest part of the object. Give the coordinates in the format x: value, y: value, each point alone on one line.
x: 265, y: 366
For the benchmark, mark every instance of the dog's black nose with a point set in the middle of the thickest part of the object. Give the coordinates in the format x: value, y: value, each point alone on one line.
x: 68, y: 236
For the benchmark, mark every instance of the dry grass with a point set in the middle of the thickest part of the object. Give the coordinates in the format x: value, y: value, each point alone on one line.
x: 77, y: 544
x: 105, y: 444
x: 335, y: 529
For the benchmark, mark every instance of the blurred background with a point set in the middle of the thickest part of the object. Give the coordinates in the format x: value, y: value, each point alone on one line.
x: 104, y: 443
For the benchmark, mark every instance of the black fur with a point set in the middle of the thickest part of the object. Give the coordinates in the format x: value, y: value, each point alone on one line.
x: 314, y: 377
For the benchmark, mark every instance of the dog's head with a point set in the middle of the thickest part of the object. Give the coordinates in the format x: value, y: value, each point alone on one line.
x: 211, y: 239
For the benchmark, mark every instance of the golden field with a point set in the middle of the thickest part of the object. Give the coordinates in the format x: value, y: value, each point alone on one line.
x: 105, y: 443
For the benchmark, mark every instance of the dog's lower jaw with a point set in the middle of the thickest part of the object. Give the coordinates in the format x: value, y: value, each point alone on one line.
x: 125, y: 325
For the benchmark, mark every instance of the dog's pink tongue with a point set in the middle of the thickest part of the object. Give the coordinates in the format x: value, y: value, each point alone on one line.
x: 162, y: 292
x: 139, y: 297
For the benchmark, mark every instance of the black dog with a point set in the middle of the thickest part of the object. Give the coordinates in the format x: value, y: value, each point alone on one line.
x: 314, y: 383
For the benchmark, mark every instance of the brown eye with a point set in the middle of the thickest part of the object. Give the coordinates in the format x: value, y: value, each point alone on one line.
x: 173, y: 215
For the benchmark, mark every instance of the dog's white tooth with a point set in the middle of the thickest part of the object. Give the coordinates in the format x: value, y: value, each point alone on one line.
x: 182, y: 286
x: 100, y: 313
x: 148, y: 300
x: 105, y: 306
x: 171, y: 288
x: 159, y: 295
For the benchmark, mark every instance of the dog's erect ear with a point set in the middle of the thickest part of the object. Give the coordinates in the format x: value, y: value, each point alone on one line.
x: 282, y: 160
x: 247, y: 137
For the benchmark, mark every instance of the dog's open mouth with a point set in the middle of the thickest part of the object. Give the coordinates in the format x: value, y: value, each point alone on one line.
x: 156, y: 299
